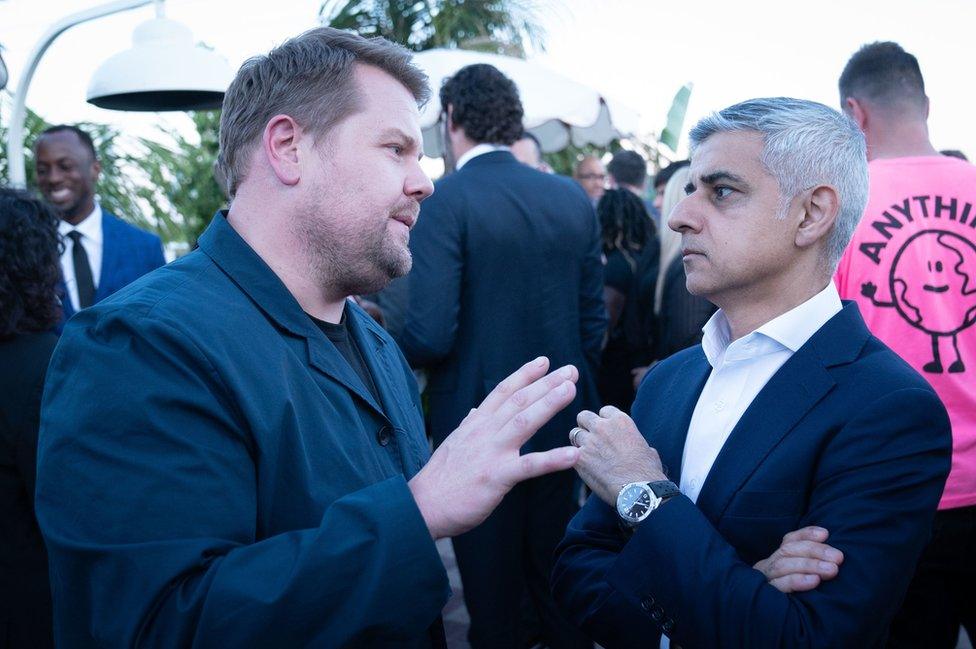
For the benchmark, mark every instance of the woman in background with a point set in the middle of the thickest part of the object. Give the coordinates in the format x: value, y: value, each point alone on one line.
x: 29, y: 310
x: 627, y: 233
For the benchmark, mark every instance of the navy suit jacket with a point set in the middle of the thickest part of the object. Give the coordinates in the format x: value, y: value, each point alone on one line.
x: 845, y: 435
x: 128, y: 253
x: 506, y: 268
x: 213, y: 473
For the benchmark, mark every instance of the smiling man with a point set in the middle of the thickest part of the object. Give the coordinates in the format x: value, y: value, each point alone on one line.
x: 102, y: 253
x: 789, y: 415
x: 232, y: 453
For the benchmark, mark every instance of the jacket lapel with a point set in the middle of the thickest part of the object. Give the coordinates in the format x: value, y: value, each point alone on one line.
x: 246, y: 269
x: 111, y: 247
x: 788, y: 396
x: 674, y: 414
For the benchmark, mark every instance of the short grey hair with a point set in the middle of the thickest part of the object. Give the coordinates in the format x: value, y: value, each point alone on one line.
x: 805, y: 144
x: 310, y: 79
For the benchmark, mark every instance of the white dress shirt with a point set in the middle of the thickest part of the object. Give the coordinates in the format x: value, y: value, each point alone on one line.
x: 740, y: 369
x: 475, y: 151
x: 91, y: 239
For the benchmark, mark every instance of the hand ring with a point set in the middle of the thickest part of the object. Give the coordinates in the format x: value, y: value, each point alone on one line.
x: 574, y: 436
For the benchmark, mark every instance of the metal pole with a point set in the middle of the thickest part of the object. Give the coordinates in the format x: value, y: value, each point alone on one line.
x: 15, y: 134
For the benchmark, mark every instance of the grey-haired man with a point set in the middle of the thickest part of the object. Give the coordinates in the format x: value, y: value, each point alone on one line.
x: 789, y: 415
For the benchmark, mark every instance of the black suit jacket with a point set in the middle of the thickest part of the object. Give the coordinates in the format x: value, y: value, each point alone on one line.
x: 25, y: 597
x: 506, y: 268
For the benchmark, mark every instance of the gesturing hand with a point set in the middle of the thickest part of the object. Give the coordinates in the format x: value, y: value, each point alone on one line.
x: 613, y: 453
x: 801, y: 561
x: 479, y: 463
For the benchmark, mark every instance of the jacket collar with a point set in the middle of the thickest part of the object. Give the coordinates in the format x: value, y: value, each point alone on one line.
x: 796, y: 388
x: 492, y: 157
x: 790, y: 394
x: 254, y: 277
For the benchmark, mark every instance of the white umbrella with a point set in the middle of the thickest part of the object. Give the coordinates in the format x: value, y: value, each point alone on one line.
x: 558, y: 110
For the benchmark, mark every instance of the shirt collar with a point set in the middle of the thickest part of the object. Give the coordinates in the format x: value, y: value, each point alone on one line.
x: 788, y: 331
x: 90, y: 227
x: 476, y: 150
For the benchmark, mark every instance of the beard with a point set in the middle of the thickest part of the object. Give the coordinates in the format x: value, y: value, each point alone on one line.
x: 357, y: 259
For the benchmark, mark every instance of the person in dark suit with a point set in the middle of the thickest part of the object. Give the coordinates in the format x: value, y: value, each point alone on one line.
x: 507, y: 266
x: 102, y: 253
x: 29, y: 276
x: 789, y: 415
x: 232, y: 452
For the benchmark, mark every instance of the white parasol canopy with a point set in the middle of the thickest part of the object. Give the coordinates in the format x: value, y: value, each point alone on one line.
x: 558, y: 110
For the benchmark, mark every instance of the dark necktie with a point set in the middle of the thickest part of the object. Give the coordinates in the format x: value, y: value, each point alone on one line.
x: 83, y: 274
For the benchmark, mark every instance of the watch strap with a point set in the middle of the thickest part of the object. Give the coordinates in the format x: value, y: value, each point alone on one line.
x: 664, y: 489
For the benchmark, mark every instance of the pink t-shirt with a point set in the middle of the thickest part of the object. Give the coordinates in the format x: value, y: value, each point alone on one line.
x: 911, y: 267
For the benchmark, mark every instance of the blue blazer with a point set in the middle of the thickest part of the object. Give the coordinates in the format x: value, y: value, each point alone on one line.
x: 213, y: 473
x: 128, y: 253
x: 506, y: 268
x: 845, y: 435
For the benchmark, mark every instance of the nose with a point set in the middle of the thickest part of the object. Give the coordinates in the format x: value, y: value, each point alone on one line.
x: 684, y: 217
x: 417, y: 184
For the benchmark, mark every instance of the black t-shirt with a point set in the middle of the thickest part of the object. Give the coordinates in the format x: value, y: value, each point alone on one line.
x: 346, y: 344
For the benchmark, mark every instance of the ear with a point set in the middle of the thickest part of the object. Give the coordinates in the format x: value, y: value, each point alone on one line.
x: 926, y: 107
x: 451, y: 126
x: 96, y: 169
x: 280, y: 145
x: 820, y: 210
x: 855, y: 110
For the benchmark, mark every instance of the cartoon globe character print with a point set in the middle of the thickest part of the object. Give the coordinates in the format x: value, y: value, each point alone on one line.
x: 942, y: 301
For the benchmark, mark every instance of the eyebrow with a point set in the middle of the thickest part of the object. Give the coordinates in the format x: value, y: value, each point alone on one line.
x: 716, y: 176
x: 409, y: 140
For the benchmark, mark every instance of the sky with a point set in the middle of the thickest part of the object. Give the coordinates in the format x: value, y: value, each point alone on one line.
x: 636, y: 51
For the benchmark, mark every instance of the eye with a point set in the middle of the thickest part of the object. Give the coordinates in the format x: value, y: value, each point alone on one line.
x: 722, y: 192
x: 397, y: 149
x: 938, y: 266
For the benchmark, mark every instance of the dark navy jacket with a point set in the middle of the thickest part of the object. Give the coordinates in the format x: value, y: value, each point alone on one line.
x: 128, y: 253
x: 506, y: 268
x: 845, y: 435
x: 213, y: 473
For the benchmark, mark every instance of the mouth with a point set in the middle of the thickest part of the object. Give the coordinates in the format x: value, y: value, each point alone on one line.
x: 935, y: 289
x: 687, y: 252
x: 407, y: 219
x: 60, y: 195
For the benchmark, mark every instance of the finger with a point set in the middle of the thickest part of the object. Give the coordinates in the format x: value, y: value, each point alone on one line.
x: 533, y: 465
x: 609, y: 411
x: 531, y: 393
x: 812, y: 550
x: 526, y: 422
x: 800, y: 565
x: 809, y: 533
x: 522, y: 377
x: 795, y: 583
x: 586, y: 419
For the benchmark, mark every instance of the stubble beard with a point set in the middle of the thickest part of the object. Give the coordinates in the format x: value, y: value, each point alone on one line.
x: 350, y: 262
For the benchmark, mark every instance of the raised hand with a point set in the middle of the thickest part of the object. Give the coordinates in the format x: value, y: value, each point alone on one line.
x: 479, y: 462
x: 802, y: 561
x: 613, y: 453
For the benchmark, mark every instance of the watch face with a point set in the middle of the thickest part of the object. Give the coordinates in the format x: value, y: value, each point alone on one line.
x: 635, y: 501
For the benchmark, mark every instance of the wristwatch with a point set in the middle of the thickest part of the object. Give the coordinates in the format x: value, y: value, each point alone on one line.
x: 637, y: 500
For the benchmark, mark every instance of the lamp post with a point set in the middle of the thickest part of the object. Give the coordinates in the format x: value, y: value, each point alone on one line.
x: 162, y: 71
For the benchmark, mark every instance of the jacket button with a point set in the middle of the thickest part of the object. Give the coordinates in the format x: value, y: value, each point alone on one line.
x: 668, y: 627
x: 657, y: 614
x: 647, y: 603
x: 383, y: 435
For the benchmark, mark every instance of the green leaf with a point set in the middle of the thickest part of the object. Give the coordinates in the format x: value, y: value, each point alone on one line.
x: 676, y: 117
